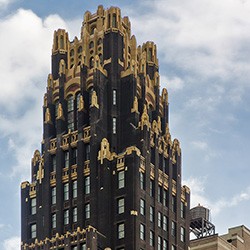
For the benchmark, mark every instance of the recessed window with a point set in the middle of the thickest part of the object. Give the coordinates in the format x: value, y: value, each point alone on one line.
x: 142, y: 207
x: 70, y: 107
x: 74, y: 214
x: 182, y: 234
x: 74, y: 156
x: 87, y: 185
x: 174, y: 203
x: 142, y: 232
x: 160, y: 194
x: 151, y: 238
x: 121, y: 230
x: 165, y: 223
x: 74, y: 189
x: 87, y: 211
x: 53, y: 220
x: 121, y: 179
x: 173, y: 228
x: 74, y: 248
x: 87, y: 152
x: 173, y: 247
x: 121, y: 205
x: 151, y: 188
x: 33, y: 231
x: 66, y: 159
x: 114, y: 125
x: 66, y: 217
x: 159, y: 219
x: 165, y: 245
x: 164, y: 199
x: 151, y: 214
x: 53, y: 195
x: 33, y: 205
x: 114, y: 96
x: 159, y: 243
x: 114, y: 20
x: 84, y: 247
x: 182, y: 210
x: 53, y: 163
x: 66, y: 191
x: 142, y: 180
x: 78, y: 100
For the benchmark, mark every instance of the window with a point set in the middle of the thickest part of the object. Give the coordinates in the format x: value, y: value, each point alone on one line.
x: 53, y: 163
x: 114, y: 125
x: 164, y: 200
x: 91, y: 62
x: 53, y: 195
x: 174, y: 203
x: 84, y: 247
x: 160, y: 194
x: 87, y: 185
x: 121, y: 179
x: 142, y: 181
x: 150, y: 54
x: 173, y: 247
x: 142, y: 232
x: 87, y: 152
x: 165, y: 223
x: 142, y: 207
x: 66, y: 159
x: 66, y: 217
x: 159, y: 219
x: 74, y: 156
x: 159, y: 242
x: 173, y: 228
x: 151, y: 214
x: 53, y: 220
x: 120, y: 230
x: 78, y: 100
x: 74, y: 248
x: 114, y: 96
x: 66, y: 191
x: 121, y: 205
x: 151, y: 238
x: 75, y: 214
x: 165, y: 166
x: 182, y: 210
x: 151, y: 188
x: 33, y: 205
x: 114, y: 20
x: 91, y: 44
x: 87, y: 211
x: 74, y: 189
x: 33, y: 231
x: 165, y: 245
x: 182, y: 234
x: 70, y: 107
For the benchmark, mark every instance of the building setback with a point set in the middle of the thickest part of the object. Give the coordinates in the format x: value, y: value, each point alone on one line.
x: 237, y: 238
x: 108, y: 174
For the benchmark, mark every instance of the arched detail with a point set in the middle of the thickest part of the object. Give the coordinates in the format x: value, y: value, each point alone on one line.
x: 91, y: 45
x: 72, y: 87
x: 91, y: 62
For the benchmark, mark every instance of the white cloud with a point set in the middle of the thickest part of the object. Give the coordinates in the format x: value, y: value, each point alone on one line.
x: 5, y: 3
x: 12, y: 243
x: 199, y: 145
x: 172, y: 83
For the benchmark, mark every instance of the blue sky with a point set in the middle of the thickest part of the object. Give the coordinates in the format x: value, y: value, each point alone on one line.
x: 204, y: 55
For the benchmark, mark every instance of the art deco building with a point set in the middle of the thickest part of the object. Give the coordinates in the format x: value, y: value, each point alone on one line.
x: 108, y: 174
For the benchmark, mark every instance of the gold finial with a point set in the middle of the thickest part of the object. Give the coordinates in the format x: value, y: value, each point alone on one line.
x: 159, y: 123
x: 60, y: 112
x: 144, y: 118
x: 135, y: 106
x: 45, y: 100
x: 94, y: 100
x: 104, y: 152
x: 47, y: 116
x: 81, y: 103
x: 40, y: 172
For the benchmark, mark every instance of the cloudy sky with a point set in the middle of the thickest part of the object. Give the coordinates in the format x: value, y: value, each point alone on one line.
x: 204, y: 55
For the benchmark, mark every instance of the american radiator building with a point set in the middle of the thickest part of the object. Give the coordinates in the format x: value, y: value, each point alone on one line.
x: 108, y: 175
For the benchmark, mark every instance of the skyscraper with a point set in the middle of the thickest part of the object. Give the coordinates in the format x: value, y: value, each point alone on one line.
x: 108, y: 174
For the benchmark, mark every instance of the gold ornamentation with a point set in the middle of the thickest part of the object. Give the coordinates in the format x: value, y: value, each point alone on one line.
x: 144, y: 118
x: 60, y: 112
x: 81, y: 104
x: 47, y: 116
x: 94, y: 100
x: 104, y: 152
x: 135, y: 106
x: 40, y: 172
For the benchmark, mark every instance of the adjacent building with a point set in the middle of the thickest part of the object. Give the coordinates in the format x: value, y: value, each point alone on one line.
x: 108, y: 174
x: 237, y: 238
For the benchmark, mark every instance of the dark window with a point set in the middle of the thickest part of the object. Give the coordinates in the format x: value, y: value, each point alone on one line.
x: 151, y: 188
x: 33, y: 206
x: 142, y: 180
x: 114, y: 21
x: 87, y: 185
x: 164, y: 200
x: 66, y: 159
x: 174, y: 203
x: 182, y: 210
x: 66, y: 191
x: 151, y: 214
x: 33, y: 230
x: 87, y: 211
x: 159, y: 219
x: 75, y: 214
x: 53, y: 163
x: 120, y: 205
x: 142, y: 232
x: 173, y: 228
x: 66, y: 217
x: 121, y: 230
x: 121, y: 179
x: 160, y: 194
x: 70, y: 107
x: 142, y: 207
x: 151, y: 238
x: 74, y: 189
x: 74, y: 156
x: 165, y: 223
x: 53, y: 220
